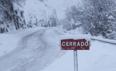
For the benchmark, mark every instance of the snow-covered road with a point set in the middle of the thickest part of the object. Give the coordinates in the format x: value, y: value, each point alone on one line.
x: 38, y: 49
x: 33, y: 53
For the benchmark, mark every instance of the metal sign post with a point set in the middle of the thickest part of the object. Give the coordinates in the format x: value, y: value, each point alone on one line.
x: 75, y: 60
x: 75, y: 44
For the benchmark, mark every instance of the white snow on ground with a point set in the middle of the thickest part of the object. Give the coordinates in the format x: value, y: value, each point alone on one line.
x: 64, y: 63
x: 8, y: 43
x: 35, y: 49
x: 100, y: 57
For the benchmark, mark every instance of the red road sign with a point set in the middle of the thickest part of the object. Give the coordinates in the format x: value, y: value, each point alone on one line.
x: 78, y: 44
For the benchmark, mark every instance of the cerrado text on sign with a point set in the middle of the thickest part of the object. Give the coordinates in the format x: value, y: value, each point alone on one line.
x: 75, y: 44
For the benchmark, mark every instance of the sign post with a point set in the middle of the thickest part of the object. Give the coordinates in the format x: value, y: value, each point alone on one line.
x: 78, y: 44
x: 75, y: 60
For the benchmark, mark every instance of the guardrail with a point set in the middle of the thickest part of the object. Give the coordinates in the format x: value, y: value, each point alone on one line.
x: 109, y: 41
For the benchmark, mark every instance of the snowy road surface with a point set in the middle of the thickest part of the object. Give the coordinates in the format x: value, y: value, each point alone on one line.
x: 37, y: 50
x: 32, y: 54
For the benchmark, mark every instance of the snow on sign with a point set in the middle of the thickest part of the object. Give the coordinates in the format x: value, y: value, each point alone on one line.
x: 72, y: 44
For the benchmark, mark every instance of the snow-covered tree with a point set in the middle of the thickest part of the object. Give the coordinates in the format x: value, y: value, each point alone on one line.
x: 11, y: 18
x: 97, y: 16
x: 6, y: 9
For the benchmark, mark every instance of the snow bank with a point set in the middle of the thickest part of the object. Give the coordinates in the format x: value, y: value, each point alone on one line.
x: 8, y: 43
x: 104, y: 40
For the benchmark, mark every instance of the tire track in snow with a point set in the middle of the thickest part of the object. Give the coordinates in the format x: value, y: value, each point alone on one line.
x: 14, y: 57
x: 29, y: 58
